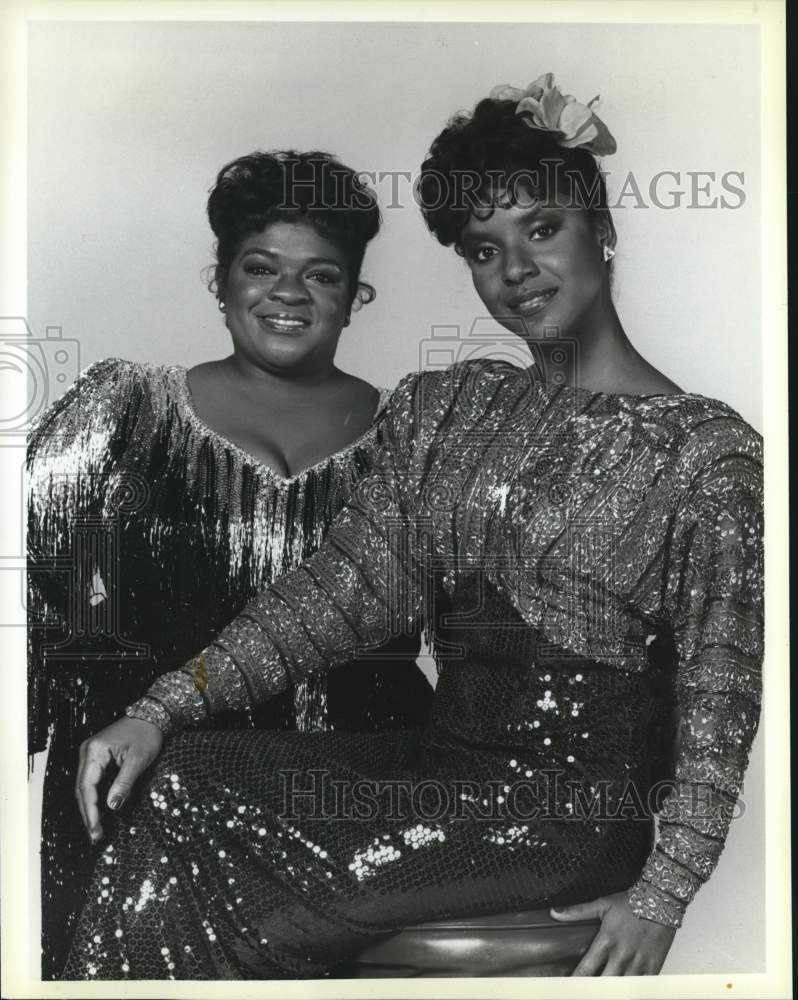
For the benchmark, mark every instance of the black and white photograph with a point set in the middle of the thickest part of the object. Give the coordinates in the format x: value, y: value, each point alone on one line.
x: 396, y: 550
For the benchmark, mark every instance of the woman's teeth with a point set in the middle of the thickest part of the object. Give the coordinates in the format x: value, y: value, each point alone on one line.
x: 286, y: 324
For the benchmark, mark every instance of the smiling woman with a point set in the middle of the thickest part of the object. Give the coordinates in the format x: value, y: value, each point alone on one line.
x: 286, y: 300
x: 534, y: 227
x: 199, y: 487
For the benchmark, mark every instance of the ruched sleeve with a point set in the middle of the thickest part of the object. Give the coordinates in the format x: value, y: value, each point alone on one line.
x: 715, y: 593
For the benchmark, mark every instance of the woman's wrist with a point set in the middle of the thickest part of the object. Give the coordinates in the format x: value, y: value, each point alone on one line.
x: 149, y: 710
x: 174, y: 701
x: 648, y: 902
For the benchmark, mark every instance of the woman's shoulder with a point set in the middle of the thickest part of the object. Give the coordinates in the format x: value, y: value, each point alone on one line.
x: 702, y: 419
x: 113, y: 374
x: 715, y: 453
x: 466, y: 381
x: 105, y: 394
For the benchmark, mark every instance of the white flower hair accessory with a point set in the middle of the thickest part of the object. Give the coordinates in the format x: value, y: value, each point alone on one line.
x: 543, y: 106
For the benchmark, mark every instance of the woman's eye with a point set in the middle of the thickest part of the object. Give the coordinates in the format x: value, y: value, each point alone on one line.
x: 258, y: 270
x: 542, y: 231
x: 323, y: 278
x: 484, y: 253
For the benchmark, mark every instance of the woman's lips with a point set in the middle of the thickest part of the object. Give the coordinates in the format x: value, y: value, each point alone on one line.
x: 532, y: 302
x: 284, y: 322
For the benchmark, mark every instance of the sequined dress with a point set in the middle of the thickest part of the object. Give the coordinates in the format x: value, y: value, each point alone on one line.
x: 148, y: 532
x: 552, y: 539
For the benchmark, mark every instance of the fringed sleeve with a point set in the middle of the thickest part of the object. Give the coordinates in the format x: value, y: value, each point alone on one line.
x: 70, y: 452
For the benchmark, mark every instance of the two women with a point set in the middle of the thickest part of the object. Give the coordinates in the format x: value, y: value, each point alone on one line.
x: 553, y: 536
x: 163, y: 499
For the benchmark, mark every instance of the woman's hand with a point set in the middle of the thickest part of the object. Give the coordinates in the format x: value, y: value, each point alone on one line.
x: 131, y: 744
x: 625, y: 945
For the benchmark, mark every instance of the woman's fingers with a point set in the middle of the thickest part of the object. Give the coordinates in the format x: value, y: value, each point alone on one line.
x: 90, y: 775
x: 593, y: 960
x: 617, y: 965
x: 132, y: 767
x: 594, y: 910
x: 78, y: 779
x: 131, y: 743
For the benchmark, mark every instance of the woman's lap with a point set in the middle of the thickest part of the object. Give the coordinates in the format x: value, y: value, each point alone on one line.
x: 251, y: 855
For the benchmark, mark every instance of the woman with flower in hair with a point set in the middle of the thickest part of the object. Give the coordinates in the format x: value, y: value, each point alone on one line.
x: 563, y: 533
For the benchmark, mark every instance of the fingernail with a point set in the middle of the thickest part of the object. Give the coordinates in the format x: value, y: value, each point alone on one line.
x: 115, y: 802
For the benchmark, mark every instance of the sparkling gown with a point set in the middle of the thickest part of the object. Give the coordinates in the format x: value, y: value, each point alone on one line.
x: 148, y: 532
x: 553, y: 540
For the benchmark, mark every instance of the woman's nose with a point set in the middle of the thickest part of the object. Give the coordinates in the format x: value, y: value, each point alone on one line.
x: 519, y: 265
x: 289, y: 289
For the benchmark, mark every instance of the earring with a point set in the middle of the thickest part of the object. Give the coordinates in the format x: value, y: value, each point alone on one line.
x: 222, y: 306
x: 609, y: 253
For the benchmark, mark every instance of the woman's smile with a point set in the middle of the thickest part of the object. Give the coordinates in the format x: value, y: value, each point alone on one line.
x: 531, y: 301
x: 530, y: 258
x: 287, y: 298
x: 284, y: 322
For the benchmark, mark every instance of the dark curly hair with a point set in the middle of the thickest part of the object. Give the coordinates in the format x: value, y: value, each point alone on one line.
x: 481, y: 160
x: 284, y: 185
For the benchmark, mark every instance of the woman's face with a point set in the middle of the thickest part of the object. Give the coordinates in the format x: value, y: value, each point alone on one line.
x: 287, y: 299
x: 537, y: 266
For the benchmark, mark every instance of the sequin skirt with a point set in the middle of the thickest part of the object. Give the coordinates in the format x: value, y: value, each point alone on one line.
x: 266, y: 855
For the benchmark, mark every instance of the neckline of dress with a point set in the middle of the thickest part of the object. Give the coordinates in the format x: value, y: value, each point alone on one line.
x: 184, y: 394
x: 626, y: 396
x: 540, y: 379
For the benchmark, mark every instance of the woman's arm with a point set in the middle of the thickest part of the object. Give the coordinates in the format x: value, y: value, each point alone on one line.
x: 358, y: 590
x: 717, y: 587
x: 714, y: 593
x: 72, y: 451
x: 362, y: 584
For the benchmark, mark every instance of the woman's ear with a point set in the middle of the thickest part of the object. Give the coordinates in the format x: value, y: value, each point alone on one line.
x: 605, y: 231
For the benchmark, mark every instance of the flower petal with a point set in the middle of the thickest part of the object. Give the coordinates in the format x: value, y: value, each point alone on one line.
x: 574, y: 118
x: 552, y: 104
x: 529, y: 106
x: 604, y: 144
x: 586, y: 135
x: 504, y: 92
x: 544, y: 82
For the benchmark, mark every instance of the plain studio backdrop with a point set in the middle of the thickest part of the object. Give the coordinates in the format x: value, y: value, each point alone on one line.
x: 129, y: 123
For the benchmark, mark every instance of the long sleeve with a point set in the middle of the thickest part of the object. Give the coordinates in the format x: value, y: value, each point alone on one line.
x: 715, y: 585
x: 71, y: 451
